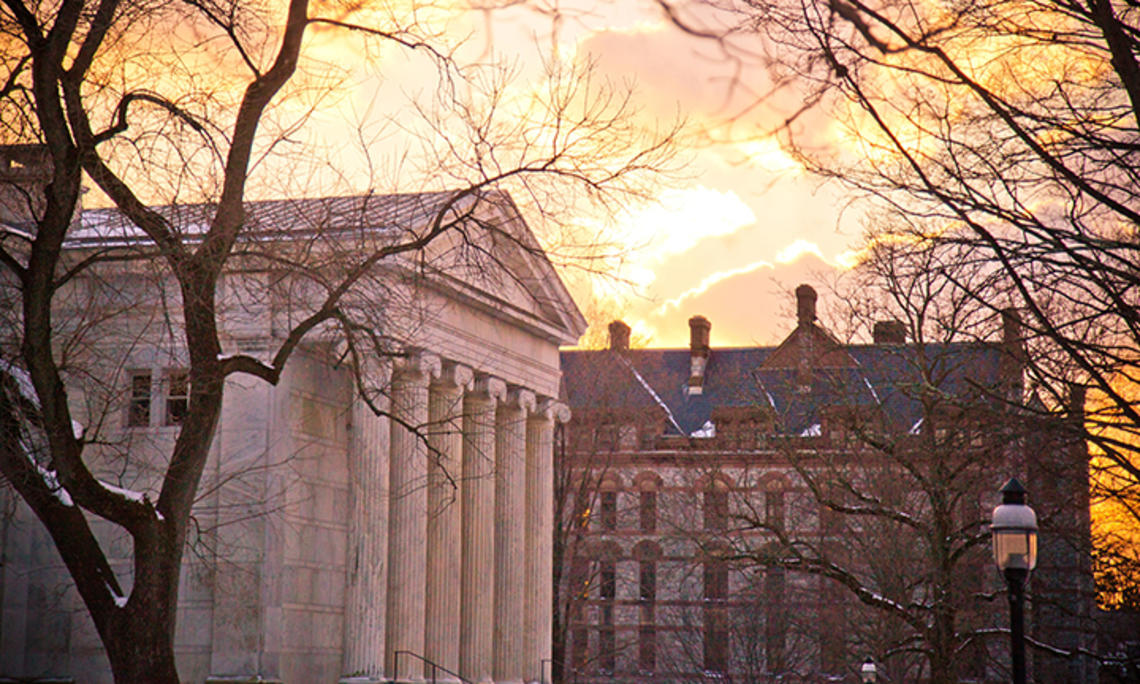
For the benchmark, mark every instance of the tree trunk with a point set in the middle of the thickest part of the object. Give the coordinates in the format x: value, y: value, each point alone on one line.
x: 139, y: 636
x: 141, y: 654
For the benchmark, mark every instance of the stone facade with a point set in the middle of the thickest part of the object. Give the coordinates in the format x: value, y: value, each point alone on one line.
x: 330, y: 542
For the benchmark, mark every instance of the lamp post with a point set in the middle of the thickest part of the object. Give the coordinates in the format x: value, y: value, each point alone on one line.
x: 1014, y: 531
x: 868, y: 673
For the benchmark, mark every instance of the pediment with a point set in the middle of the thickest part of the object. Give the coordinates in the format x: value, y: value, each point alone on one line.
x: 811, y: 345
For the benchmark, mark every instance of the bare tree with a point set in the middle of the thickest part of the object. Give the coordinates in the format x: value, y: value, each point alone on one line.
x: 1007, y: 128
x: 1004, y: 132
x: 904, y: 470
x: 181, y: 102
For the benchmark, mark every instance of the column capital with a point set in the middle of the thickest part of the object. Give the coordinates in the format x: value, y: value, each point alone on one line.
x: 520, y: 398
x: 551, y: 409
x: 416, y: 366
x: 454, y: 375
x: 488, y: 387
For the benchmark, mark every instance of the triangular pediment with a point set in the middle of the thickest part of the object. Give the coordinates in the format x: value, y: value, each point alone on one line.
x: 810, y: 345
x: 497, y: 260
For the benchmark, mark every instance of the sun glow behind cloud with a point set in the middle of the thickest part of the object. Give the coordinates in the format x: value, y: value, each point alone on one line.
x: 797, y: 249
x: 683, y: 217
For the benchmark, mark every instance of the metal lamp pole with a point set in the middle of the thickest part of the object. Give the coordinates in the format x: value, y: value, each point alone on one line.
x: 1014, y: 531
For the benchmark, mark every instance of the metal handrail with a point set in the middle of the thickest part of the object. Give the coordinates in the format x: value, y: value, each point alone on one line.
x: 434, y: 667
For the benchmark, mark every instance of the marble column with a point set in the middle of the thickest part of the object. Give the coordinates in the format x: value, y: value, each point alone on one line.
x: 477, y: 581
x: 510, y: 533
x: 367, y: 543
x: 407, y: 514
x: 539, y: 542
x: 445, y: 447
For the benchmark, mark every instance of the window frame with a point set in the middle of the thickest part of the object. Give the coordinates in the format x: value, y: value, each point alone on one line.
x: 139, y: 404
x: 177, y: 405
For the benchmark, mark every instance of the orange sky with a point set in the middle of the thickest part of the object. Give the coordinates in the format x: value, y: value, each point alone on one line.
x: 733, y: 239
x: 729, y: 239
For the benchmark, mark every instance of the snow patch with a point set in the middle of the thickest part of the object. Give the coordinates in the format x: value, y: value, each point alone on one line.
x: 917, y: 427
x: 873, y: 392
x: 23, y: 382
x: 656, y: 398
x: 875, y: 596
x: 126, y: 493
x: 706, y: 431
x: 812, y: 431
x: 52, y: 482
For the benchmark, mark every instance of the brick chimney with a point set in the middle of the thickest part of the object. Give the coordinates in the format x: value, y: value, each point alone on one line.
x: 889, y: 332
x: 619, y: 336
x: 1077, y: 397
x: 1012, y: 364
x: 699, y: 328
x: 805, y: 304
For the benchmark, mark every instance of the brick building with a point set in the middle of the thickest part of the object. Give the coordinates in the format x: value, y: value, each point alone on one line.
x: 781, y: 513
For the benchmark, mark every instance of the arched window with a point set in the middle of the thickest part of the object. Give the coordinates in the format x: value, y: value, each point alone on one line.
x: 775, y: 505
x: 607, y: 502
x: 647, y: 486
x: 608, y: 510
x: 716, y: 503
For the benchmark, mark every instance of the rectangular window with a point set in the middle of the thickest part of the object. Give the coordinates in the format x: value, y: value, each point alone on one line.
x: 774, y: 509
x: 832, y: 648
x: 716, y: 641
x: 607, y: 655
x: 579, y: 647
x: 607, y: 647
x: 647, y: 649
x: 775, y: 619
x: 648, y: 512
x: 716, y: 510
x: 609, y: 510
x: 648, y: 581
x: 177, y: 396
x: 138, y: 411
x: 716, y: 581
x: 608, y: 584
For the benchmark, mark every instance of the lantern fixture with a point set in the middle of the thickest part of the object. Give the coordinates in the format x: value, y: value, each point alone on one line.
x: 867, y: 671
x: 1014, y: 531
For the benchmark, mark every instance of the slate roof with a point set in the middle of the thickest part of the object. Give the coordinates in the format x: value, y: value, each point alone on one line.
x: 265, y: 218
x: 358, y: 221
x: 881, y: 376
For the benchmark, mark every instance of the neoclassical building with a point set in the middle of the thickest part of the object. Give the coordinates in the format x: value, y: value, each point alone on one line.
x: 368, y: 514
